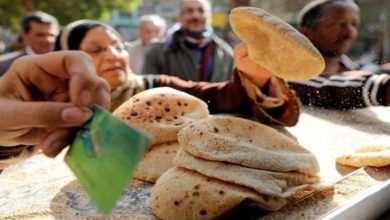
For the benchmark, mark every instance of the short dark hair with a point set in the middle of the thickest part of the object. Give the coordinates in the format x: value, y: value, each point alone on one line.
x: 310, y: 13
x: 37, y: 16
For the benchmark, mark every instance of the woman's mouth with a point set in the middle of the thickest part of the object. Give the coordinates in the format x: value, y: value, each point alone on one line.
x: 116, y: 68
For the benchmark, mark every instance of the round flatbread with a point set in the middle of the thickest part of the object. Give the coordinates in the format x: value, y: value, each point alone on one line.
x: 162, y: 112
x: 183, y: 194
x: 374, y: 156
x: 157, y: 160
x: 276, y: 45
x: 262, y: 181
x: 247, y: 143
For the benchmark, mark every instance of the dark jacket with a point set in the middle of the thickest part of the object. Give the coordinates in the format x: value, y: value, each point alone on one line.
x: 7, y: 59
x: 173, y: 58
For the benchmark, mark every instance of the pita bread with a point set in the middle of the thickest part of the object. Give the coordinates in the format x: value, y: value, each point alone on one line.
x: 262, y: 181
x: 157, y: 160
x: 247, y: 143
x: 183, y: 194
x: 162, y: 112
x: 276, y: 45
x: 374, y: 156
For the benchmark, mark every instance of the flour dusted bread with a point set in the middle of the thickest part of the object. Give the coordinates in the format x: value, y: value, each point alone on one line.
x: 161, y: 112
x: 225, y: 162
x: 276, y: 45
x: 262, y: 181
x: 247, y: 143
x: 157, y: 160
x: 183, y: 194
x: 375, y: 156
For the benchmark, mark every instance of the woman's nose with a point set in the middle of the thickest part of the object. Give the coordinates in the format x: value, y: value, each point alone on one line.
x: 112, y: 52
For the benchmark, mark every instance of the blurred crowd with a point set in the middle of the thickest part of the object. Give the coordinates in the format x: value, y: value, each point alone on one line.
x: 11, y: 41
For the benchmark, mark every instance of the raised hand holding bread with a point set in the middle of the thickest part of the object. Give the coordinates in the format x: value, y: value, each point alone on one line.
x: 275, y: 45
x: 255, y: 73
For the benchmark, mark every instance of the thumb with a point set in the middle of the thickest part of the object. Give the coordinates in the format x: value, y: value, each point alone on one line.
x: 250, y: 69
x: 240, y: 52
x: 41, y: 115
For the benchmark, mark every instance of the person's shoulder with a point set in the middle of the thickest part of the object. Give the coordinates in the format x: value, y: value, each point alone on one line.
x: 12, y: 56
x: 222, y: 44
x: 7, y: 59
x: 134, y: 43
x: 157, y: 46
x: 348, y: 63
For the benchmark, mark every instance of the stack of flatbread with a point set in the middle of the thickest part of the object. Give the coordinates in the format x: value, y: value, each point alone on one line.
x: 161, y: 112
x: 225, y: 161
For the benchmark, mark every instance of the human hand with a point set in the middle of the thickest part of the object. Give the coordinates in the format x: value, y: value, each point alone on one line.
x: 254, y: 72
x: 43, y: 97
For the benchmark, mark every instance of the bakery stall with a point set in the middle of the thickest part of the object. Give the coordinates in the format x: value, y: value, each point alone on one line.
x: 44, y: 188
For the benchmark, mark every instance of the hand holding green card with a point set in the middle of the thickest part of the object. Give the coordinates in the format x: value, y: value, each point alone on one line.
x: 104, y: 155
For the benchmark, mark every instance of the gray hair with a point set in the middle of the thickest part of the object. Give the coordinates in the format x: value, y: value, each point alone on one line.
x: 206, y: 3
x: 156, y: 20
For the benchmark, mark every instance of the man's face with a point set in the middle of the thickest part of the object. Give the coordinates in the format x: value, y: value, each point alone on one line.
x: 336, y: 29
x: 194, y: 15
x: 148, y: 31
x: 41, y: 37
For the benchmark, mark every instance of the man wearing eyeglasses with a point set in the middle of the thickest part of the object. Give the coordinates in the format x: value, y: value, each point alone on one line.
x: 192, y: 51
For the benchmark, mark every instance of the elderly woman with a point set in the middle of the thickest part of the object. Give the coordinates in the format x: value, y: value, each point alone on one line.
x: 252, y: 92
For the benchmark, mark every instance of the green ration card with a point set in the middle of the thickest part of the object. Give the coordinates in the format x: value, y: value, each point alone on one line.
x: 104, y: 155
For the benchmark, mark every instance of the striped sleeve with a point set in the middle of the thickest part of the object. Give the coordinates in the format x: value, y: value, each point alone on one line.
x: 343, y: 92
x: 151, y: 81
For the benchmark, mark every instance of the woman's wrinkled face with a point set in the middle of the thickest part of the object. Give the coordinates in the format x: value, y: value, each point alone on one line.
x: 108, y: 53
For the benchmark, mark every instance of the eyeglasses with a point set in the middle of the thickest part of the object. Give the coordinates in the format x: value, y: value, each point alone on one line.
x: 116, y: 49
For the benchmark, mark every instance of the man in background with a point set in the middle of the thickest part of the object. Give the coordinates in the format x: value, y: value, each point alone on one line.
x: 39, y: 33
x: 332, y: 26
x: 150, y: 30
x: 192, y: 51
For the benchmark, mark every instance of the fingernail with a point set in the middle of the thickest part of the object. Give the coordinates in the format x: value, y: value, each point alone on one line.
x: 86, y: 98
x: 76, y: 115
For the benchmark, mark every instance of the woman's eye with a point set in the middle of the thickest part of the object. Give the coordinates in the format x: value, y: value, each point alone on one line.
x: 119, y: 48
x: 94, y: 50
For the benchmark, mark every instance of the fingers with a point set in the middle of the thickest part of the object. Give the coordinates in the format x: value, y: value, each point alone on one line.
x: 34, y: 94
x: 41, y: 115
x: 21, y: 136
x: 56, y: 141
x: 102, y: 94
x: 254, y: 72
x: 97, y: 93
x: 50, y: 71
x: 240, y: 51
x: 86, y: 89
